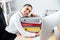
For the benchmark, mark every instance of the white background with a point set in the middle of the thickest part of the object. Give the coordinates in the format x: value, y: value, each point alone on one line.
x: 39, y: 6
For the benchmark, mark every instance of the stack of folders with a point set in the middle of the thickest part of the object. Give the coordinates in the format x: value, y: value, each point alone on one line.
x: 31, y: 24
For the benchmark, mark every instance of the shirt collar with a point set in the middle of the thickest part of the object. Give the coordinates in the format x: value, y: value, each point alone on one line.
x: 20, y: 14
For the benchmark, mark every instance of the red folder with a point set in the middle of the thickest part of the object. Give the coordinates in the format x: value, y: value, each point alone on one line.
x: 31, y: 25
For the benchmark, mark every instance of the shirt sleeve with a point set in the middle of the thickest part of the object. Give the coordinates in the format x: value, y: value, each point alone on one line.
x: 18, y: 24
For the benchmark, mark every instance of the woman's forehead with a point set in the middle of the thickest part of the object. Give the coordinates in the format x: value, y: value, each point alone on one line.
x: 28, y: 7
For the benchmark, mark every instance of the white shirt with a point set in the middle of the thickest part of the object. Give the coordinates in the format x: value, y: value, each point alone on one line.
x: 15, y: 25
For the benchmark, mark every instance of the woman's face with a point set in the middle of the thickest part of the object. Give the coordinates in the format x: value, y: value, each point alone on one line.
x: 26, y: 10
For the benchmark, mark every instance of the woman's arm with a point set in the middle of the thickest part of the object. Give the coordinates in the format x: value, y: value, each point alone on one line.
x: 19, y: 27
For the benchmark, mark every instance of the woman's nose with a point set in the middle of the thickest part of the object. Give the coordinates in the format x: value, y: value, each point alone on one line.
x: 27, y: 11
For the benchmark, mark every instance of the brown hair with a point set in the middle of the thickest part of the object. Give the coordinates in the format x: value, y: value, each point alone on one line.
x: 27, y: 5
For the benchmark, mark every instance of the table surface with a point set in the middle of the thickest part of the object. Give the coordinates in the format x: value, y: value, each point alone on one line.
x: 38, y: 38
x: 53, y: 37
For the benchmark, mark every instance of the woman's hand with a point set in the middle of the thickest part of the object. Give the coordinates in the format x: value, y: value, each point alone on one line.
x: 37, y: 34
x: 33, y: 15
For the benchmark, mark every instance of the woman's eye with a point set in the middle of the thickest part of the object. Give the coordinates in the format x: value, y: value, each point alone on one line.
x: 27, y: 9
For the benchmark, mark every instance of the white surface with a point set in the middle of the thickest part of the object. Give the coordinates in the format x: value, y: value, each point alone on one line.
x: 56, y: 32
x: 49, y: 22
x: 37, y: 38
